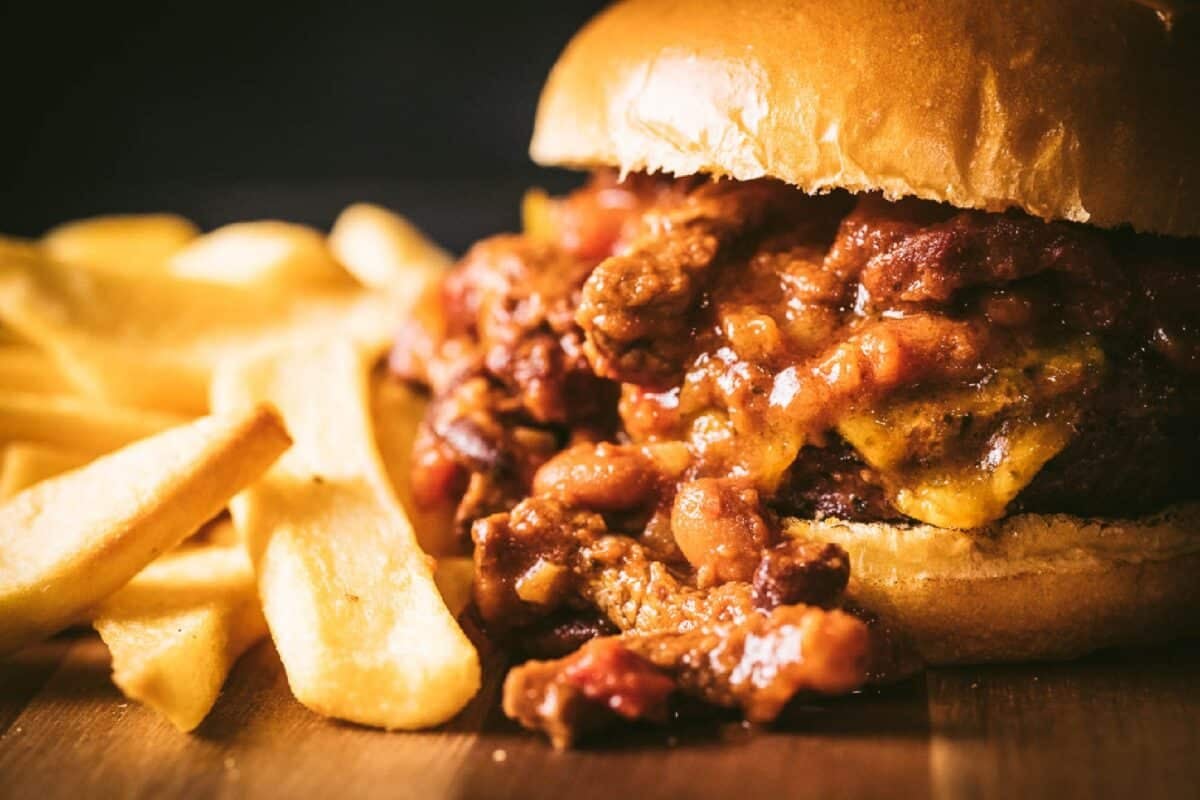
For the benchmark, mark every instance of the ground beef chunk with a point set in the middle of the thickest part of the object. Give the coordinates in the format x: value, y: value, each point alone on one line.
x: 873, y: 226
x: 543, y: 555
x: 636, y: 306
x: 478, y: 436
x: 932, y: 264
x: 756, y: 665
x: 761, y: 663
x: 515, y: 298
x: 602, y: 682
x: 521, y: 296
x: 524, y: 559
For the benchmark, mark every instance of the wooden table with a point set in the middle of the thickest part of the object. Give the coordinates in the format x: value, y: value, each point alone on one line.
x: 1117, y: 725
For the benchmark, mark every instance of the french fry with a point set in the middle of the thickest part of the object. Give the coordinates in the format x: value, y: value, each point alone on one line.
x: 27, y: 463
x: 154, y: 342
x: 69, y: 542
x: 396, y: 410
x: 176, y: 629
x: 384, y: 250
x: 454, y: 577
x: 137, y: 244
x: 350, y: 599
x: 75, y: 423
x: 266, y: 253
x: 27, y: 369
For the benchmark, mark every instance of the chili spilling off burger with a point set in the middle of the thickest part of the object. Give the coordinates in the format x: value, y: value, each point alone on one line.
x: 871, y: 341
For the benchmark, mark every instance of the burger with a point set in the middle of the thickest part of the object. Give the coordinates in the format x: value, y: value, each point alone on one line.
x: 869, y: 342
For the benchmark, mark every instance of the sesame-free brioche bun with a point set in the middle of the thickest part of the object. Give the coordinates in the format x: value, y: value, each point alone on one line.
x: 1084, y: 110
x: 1027, y: 587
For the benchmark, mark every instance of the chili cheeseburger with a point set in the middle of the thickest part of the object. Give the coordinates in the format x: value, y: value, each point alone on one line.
x: 872, y: 335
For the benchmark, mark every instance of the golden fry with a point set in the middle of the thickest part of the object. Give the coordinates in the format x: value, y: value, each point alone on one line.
x: 267, y: 254
x: 176, y: 629
x: 69, y: 542
x: 349, y: 596
x: 385, y: 251
x: 136, y: 244
x: 76, y: 423
x: 154, y: 342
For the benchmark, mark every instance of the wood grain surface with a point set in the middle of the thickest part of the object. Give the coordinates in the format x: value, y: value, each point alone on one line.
x: 1123, y: 724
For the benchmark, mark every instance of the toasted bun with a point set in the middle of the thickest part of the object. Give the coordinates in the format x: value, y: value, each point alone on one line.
x: 1083, y: 110
x: 1030, y: 586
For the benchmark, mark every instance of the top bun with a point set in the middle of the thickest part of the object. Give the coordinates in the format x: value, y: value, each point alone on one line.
x: 1084, y: 110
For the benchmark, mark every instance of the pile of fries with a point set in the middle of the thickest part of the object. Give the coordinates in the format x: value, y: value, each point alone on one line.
x: 198, y: 453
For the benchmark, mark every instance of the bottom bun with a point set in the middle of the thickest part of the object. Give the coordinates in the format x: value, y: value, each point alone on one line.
x: 1028, y: 587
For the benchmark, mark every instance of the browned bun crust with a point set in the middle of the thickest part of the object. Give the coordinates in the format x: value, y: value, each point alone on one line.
x: 1028, y: 587
x: 1084, y: 110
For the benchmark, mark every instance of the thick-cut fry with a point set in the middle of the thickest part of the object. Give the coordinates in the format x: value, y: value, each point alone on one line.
x: 27, y: 369
x: 27, y: 463
x: 454, y: 577
x: 275, y: 255
x: 76, y: 423
x: 358, y: 621
x: 384, y: 250
x: 176, y: 629
x: 137, y: 244
x: 153, y: 342
x: 69, y: 542
x: 396, y: 410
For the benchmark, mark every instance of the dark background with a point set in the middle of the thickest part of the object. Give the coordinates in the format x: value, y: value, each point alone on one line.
x: 224, y: 111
